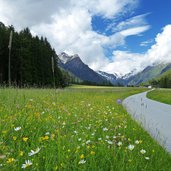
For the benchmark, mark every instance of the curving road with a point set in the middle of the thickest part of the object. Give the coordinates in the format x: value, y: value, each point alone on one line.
x: 154, y: 116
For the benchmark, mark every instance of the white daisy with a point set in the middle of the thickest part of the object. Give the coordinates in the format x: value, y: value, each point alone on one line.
x: 142, y: 151
x: 147, y: 158
x: 110, y: 142
x: 26, y: 164
x: 34, y: 152
x: 17, y: 128
x: 82, y: 161
x: 105, y: 129
x: 131, y: 147
x: 119, y: 143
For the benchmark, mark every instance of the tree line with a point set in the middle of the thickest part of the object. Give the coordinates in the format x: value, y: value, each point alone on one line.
x: 31, y: 60
x: 162, y: 82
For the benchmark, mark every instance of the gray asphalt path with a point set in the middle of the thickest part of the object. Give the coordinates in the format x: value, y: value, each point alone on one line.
x: 154, y: 116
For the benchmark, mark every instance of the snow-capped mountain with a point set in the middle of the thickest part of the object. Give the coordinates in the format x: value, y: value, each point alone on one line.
x: 76, y: 66
x: 64, y: 57
x: 130, y: 74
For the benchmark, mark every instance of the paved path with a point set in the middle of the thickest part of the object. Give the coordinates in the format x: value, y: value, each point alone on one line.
x: 154, y: 116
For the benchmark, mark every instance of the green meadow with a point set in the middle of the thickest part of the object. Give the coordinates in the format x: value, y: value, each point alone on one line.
x: 80, y: 128
x: 161, y: 95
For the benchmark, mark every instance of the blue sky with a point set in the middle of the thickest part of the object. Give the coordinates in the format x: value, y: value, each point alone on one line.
x: 158, y: 14
x: 116, y: 36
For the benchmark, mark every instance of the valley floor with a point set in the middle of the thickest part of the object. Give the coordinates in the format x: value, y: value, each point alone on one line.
x: 74, y: 129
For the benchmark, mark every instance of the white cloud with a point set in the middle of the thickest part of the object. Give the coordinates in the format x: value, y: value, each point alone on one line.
x: 136, y: 21
x: 67, y: 25
x: 146, y: 43
x: 161, y: 50
x: 134, y: 31
x: 124, y: 62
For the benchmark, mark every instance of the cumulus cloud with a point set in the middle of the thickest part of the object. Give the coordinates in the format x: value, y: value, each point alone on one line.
x: 124, y: 61
x: 27, y: 13
x: 68, y: 26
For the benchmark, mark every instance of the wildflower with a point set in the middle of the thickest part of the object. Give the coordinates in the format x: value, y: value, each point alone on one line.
x: 137, y: 142
x: 140, y: 141
x: 79, y: 139
x: 21, y: 153
x: 119, y: 143
x: 14, y: 138
x: 45, y: 137
x: 88, y: 147
x: 26, y: 164
x: 107, y: 137
x: 110, y: 142
x: 47, y: 133
x: 82, y: 156
x: 92, y: 153
x: 99, y: 139
x: 25, y: 139
x: 105, y: 129
x: 34, y: 152
x: 75, y: 132
x: 147, y: 158
x: 82, y: 161
x: 119, y: 101
x: 88, y: 141
x: 10, y: 160
x: 17, y: 128
x: 131, y: 147
x: 142, y: 151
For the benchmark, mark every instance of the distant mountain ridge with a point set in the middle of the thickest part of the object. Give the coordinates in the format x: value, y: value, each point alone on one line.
x: 75, y: 65
x: 150, y: 72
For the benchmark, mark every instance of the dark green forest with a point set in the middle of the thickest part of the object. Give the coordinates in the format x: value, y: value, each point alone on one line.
x: 31, y: 60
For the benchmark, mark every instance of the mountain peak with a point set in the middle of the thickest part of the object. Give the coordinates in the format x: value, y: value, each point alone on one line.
x: 64, y: 57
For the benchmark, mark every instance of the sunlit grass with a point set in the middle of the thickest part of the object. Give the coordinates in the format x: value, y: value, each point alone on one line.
x: 161, y: 95
x: 74, y: 129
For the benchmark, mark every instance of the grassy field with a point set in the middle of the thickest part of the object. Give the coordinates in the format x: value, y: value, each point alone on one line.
x: 161, y: 95
x: 77, y: 129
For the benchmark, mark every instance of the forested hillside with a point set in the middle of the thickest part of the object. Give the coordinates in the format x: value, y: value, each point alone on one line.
x: 164, y: 81
x: 31, y: 60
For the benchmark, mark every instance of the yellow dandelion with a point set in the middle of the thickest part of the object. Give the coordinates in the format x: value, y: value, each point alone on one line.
x: 88, y: 147
x: 92, y: 153
x: 45, y: 137
x: 10, y: 160
x: 21, y: 153
x: 25, y: 139
x: 140, y: 141
x: 82, y: 156
x: 14, y: 138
